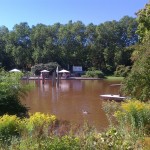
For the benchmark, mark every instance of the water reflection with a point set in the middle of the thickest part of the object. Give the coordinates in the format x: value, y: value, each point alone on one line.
x: 73, y: 100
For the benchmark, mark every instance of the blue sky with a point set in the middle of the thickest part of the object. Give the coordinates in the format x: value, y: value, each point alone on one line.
x: 53, y: 11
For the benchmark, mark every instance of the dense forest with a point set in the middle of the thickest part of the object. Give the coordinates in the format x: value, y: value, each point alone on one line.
x: 104, y: 47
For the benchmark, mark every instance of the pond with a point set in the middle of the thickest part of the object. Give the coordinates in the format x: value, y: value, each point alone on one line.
x: 77, y: 101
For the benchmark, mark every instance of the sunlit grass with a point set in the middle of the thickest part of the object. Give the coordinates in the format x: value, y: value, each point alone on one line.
x: 114, y: 78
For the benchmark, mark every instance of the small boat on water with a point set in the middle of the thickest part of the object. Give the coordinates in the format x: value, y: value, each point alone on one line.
x: 112, y: 97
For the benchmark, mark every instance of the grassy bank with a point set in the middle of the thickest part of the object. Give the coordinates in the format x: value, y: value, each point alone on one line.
x: 113, y: 78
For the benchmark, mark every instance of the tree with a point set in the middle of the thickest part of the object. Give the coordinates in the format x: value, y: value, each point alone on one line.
x: 143, y: 18
x: 5, y: 58
x: 39, y: 36
x: 112, y: 40
x: 89, y: 46
x: 137, y: 84
x: 102, y: 46
x: 19, y: 45
x: 10, y: 93
x: 72, y: 43
x: 51, y: 67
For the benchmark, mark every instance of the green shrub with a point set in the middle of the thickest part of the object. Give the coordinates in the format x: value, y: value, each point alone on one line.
x: 48, y: 143
x: 115, y: 140
x: 94, y: 74
x: 11, y: 105
x: 135, y: 115
x: 11, y: 90
x: 37, y: 124
x: 9, y: 127
x: 110, y: 107
x: 122, y: 71
x: 62, y: 143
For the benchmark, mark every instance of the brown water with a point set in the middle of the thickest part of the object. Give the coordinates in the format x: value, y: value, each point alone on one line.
x: 71, y: 99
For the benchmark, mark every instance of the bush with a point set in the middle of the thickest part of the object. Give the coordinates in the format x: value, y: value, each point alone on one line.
x: 110, y: 107
x: 122, y: 71
x: 13, y: 126
x: 62, y: 143
x: 94, y: 73
x: 11, y: 90
x: 9, y: 127
x: 135, y: 115
x: 11, y: 105
x: 48, y: 143
x: 38, y: 121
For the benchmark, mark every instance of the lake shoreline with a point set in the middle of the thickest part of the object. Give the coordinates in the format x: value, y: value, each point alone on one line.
x: 62, y: 78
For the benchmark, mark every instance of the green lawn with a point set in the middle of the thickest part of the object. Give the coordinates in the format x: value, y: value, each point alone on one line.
x: 114, y: 78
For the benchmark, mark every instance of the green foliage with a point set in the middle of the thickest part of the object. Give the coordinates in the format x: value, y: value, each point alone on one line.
x: 135, y: 115
x: 18, y: 45
x: 114, y: 139
x: 38, y: 121
x: 12, y: 105
x: 85, y: 138
x: 109, y: 108
x: 122, y: 71
x: 143, y: 18
x: 9, y: 127
x: 109, y: 139
x: 92, y: 72
x: 13, y: 126
x: 131, y: 120
x: 10, y: 93
x: 48, y: 143
x: 39, y: 67
x: 102, y: 46
x: 65, y: 142
x: 136, y: 84
x: 110, y: 45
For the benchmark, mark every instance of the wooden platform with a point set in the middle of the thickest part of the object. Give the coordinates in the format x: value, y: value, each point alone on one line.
x: 113, y: 97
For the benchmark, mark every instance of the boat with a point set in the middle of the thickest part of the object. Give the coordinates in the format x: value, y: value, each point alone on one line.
x: 112, y: 97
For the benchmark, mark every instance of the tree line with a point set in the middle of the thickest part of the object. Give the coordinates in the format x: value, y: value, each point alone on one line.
x: 103, y: 46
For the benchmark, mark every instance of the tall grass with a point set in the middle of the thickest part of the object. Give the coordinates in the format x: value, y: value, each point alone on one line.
x: 131, y: 118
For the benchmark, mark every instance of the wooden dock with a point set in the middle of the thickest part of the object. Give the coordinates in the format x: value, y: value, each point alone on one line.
x: 112, y: 97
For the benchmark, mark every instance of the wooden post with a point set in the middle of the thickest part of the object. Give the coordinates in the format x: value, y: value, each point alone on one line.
x: 27, y: 77
x: 57, y: 80
x: 53, y: 78
x: 43, y: 77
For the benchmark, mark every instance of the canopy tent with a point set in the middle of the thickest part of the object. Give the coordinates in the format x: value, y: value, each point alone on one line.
x: 63, y: 71
x: 15, y: 70
x: 44, y: 74
x: 44, y: 71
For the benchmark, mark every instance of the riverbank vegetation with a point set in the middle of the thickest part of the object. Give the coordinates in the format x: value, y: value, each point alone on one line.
x: 11, y: 91
x: 93, y: 73
x: 40, y: 131
x: 136, y: 84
